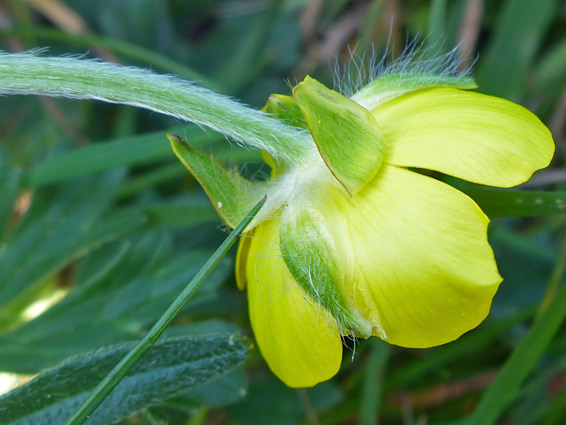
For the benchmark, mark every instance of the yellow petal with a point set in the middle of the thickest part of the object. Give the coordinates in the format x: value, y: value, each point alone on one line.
x: 472, y: 136
x: 242, y: 258
x: 298, y: 339
x: 423, y: 270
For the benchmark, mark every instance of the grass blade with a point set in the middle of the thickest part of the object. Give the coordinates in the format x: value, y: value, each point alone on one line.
x: 506, y: 386
x: 518, y: 203
x: 372, y: 390
x: 119, y: 372
x: 503, y: 69
x: 122, y: 48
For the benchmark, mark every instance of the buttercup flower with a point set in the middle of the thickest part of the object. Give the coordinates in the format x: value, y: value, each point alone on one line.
x: 353, y: 240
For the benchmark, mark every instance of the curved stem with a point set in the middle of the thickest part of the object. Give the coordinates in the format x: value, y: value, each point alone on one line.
x: 27, y: 73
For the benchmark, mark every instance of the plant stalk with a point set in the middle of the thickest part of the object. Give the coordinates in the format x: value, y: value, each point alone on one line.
x: 112, y: 379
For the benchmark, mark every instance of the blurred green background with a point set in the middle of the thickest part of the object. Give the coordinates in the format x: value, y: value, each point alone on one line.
x: 101, y: 227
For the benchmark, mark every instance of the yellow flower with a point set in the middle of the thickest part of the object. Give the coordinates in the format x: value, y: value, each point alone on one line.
x: 354, y: 242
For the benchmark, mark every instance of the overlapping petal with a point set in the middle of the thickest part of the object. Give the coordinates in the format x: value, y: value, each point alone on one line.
x: 472, y: 136
x: 418, y: 263
x: 405, y: 257
x: 298, y: 338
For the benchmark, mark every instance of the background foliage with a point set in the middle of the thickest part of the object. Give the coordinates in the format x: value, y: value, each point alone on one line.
x: 100, y: 227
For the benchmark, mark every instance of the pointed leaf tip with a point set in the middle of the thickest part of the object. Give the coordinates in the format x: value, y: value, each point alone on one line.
x: 231, y: 195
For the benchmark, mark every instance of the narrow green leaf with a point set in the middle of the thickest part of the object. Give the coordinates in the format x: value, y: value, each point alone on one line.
x: 61, y: 225
x: 151, y: 179
x: 549, y: 74
x: 119, y: 372
x: 519, y: 365
x: 442, y: 356
x: 436, y: 26
x: 123, y: 289
x: 371, y: 20
x: 169, y: 369
x: 123, y: 48
x: 9, y: 189
x: 557, y: 411
x: 557, y: 276
x: 103, y: 156
x: 235, y: 71
x: 372, y: 390
x: 182, y: 211
x: 520, y: 29
x: 518, y: 203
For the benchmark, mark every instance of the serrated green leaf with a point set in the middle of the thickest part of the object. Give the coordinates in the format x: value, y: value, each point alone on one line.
x: 170, y: 368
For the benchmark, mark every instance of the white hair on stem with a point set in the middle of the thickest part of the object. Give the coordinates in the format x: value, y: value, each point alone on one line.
x: 76, y: 78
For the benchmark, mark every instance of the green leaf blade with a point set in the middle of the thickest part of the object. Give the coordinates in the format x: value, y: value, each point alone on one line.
x: 170, y: 368
x: 518, y: 203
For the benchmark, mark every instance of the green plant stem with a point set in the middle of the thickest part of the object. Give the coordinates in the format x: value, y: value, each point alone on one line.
x: 71, y: 78
x: 113, y: 378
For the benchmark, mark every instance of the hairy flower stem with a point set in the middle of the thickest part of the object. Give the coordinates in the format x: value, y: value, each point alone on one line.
x: 72, y: 78
x: 112, y: 379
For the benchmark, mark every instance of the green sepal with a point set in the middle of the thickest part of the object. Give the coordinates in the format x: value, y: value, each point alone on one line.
x: 310, y: 257
x: 286, y: 109
x: 346, y: 134
x: 230, y: 194
x: 390, y: 86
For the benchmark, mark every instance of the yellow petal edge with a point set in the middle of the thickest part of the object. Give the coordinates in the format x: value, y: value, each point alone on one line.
x: 419, y: 266
x: 472, y: 136
x: 298, y: 338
